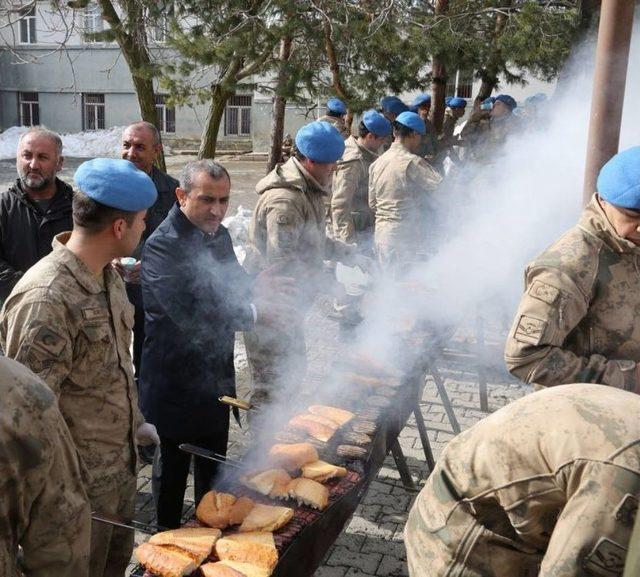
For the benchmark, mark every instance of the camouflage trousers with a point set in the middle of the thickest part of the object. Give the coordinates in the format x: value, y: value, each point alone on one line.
x: 112, y: 547
x: 467, y: 538
x: 277, y: 360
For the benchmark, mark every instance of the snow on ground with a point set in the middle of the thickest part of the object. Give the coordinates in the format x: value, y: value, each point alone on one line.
x: 81, y: 144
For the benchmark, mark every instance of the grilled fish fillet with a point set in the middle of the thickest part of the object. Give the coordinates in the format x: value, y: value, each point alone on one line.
x: 320, y: 471
x: 214, y: 509
x: 254, y: 553
x: 339, y: 416
x: 165, y: 561
x: 310, y: 425
x: 309, y: 492
x: 197, y: 542
x: 264, y: 482
x: 293, y: 456
x: 266, y: 518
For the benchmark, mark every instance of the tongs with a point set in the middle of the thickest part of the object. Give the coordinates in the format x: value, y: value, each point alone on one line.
x: 210, y: 455
x: 131, y: 524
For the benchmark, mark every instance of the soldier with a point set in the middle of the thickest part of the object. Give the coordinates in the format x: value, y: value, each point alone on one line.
x: 454, y: 112
x: 336, y: 111
x: 352, y: 218
x: 579, y: 318
x: 428, y: 149
x: 288, y: 229
x: 35, y: 208
x: 392, y: 106
x: 69, y: 320
x: 43, y: 505
x: 547, y: 486
x: 400, y: 183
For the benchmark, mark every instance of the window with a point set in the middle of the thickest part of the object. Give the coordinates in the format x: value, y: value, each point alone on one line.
x: 166, y: 115
x: 460, y: 85
x: 159, y: 29
x: 91, y: 22
x: 237, y: 116
x: 93, y: 111
x: 28, y: 27
x: 29, y: 108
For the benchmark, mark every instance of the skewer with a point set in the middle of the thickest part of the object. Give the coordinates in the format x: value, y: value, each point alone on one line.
x: 207, y: 454
x: 131, y: 524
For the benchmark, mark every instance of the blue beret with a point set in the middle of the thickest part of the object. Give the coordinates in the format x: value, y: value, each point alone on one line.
x: 376, y: 123
x: 508, y: 100
x: 336, y: 105
x: 619, y: 179
x: 457, y: 102
x: 413, y: 121
x: 393, y: 104
x: 320, y: 141
x: 420, y: 100
x: 116, y: 183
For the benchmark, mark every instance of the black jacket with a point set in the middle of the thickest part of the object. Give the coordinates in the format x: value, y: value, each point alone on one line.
x: 26, y: 233
x: 196, y: 295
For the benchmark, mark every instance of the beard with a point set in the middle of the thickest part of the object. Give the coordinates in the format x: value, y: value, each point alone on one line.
x: 34, y: 181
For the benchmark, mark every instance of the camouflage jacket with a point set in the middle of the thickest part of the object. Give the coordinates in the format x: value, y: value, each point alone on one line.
x: 400, y: 184
x: 350, y: 210
x: 547, y: 486
x: 43, y: 505
x: 75, y: 334
x: 449, y: 123
x: 338, y: 123
x: 579, y: 318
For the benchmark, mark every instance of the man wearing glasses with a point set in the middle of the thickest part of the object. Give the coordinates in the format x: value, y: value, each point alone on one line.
x: 579, y: 318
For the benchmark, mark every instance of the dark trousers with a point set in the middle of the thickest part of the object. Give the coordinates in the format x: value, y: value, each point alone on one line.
x: 134, y: 292
x: 170, y: 472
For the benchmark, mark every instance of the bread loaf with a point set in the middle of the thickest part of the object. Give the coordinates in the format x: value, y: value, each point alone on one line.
x: 309, y: 492
x: 310, y: 425
x: 339, y: 416
x: 214, y: 509
x: 294, y: 456
x: 240, y: 509
x: 320, y: 471
x: 265, y: 481
x: 266, y: 518
x: 254, y: 553
x: 221, y: 569
x: 197, y: 542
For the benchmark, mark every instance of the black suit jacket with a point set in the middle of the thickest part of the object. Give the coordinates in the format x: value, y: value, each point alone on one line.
x: 196, y: 295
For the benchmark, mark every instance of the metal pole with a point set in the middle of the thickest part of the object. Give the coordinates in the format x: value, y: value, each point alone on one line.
x: 612, y: 57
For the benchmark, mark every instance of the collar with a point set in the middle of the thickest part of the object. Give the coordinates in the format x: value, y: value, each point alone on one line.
x: 595, y: 222
x: 62, y: 190
x: 368, y: 153
x: 79, y: 270
x: 185, y: 227
x: 311, y: 181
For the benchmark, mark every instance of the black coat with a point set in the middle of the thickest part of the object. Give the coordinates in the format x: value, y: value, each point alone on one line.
x: 196, y: 295
x: 26, y: 232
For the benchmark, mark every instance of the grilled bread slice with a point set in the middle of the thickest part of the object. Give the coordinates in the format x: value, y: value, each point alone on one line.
x: 293, y: 456
x: 265, y: 481
x: 223, y: 568
x: 214, y: 509
x: 339, y: 416
x: 309, y: 492
x: 320, y: 471
x: 266, y: 518
x: 264, y: 537
x: 310, y: 425
x: 165, y: 561
x: 240, y: 509
x: 254, y: 553
x: 197, y: 542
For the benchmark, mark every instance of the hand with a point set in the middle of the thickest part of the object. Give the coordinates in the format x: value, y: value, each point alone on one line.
x: 147, y: 435
x: 133, y: 273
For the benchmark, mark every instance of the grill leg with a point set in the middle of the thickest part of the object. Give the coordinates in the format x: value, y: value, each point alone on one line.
x: 424, y: 437
x: 446, y: 402
x: 401, y: 464
x: 482, y: 381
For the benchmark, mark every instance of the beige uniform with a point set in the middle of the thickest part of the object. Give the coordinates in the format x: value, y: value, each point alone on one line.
x: 579, y: 318
x: 548, y: 486
x: 400, y: 186
x: 288, y: 229
x: 338, y: 122
x: 350, y: 212
x: 74, y: 332
x: 43, y: 505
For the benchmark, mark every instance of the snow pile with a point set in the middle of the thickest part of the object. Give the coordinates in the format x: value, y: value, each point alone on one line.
x: 238, y: 227
x: 81, y: 144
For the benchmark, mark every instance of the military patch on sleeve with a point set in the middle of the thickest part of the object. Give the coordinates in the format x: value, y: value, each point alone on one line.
x: 282, y: 218
x: 544, y: 292
x: 606, y: 559
x: 626, y: 510
x: 46, y: 340
x: 530, y: 330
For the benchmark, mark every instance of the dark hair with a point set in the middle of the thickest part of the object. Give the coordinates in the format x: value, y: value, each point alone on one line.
x: 214, y: 169
x: 297, y: 154
x: 401, y: 130
x: 334, y: 114
x: 362, y: 130
x: 93, y: 216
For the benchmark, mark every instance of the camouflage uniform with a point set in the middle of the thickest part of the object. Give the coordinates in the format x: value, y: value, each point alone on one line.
x: 483, y: 134
x: 338, y: 122
x: 579, y: 319
x: 428, y: 143
x: 43, y: 505
x: 548, y: 486
x: 288, y: 229
x: 400, y: 184
x: 74, y: 332
x: 351, y: 215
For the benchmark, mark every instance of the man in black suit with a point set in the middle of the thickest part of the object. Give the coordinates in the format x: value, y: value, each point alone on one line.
x: 196, y: 297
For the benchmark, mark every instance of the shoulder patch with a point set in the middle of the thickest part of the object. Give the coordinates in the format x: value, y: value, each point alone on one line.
x: 606, y: 559
x: 544, y: 292
x: 530, y: 330
x: 283, y: 218
x: 46, y: 340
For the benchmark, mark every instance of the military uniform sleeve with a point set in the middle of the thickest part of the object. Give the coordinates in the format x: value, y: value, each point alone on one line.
x: 551, y: 307
x: 35, y: 333
x: 56, y: 542
x: 372, y: 194
x: 345, y: 184
x: 284, y: 225
x: 423, y: 176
